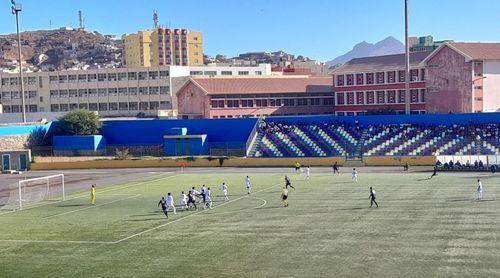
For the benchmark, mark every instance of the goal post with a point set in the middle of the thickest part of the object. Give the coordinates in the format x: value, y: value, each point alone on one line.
x: 40, y: 189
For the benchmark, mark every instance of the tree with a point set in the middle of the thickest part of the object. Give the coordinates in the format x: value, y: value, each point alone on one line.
x: 80, y: 122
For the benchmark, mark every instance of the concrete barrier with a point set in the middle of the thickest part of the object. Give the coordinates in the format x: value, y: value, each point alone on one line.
x: 400, y: 160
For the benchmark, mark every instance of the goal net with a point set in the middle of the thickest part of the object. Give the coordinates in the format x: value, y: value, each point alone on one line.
x: 28, y: 191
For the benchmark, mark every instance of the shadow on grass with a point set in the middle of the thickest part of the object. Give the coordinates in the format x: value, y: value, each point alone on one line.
x: 355, y: 208
x: 146, y: 219
x: 469, y: 200
x: 69, y: 206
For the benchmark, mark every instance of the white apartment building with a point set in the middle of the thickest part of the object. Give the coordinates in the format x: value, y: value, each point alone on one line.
x: 118, y: 92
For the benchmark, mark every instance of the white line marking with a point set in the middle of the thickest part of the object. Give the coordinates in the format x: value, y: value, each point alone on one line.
x: 54, y: 241
x: 90, y: 207
x: 190, y: 215
x: 134, y: 235
x: 84, y: 194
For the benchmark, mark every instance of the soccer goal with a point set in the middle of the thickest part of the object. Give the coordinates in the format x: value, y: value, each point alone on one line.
x: 28, y: 191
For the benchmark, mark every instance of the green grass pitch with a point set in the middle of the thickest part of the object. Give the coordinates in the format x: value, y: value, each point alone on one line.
x: 423, y: 228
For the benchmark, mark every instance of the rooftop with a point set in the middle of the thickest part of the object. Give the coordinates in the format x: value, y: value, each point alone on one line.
x: 375, y: 63
x: 265, y: 85
x: 478, y: 50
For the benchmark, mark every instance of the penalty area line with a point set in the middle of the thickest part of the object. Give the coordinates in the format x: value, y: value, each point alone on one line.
x: 191, y: 215
x: 91, y: 207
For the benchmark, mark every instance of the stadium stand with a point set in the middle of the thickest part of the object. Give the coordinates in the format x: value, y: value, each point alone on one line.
x: 282, y: 138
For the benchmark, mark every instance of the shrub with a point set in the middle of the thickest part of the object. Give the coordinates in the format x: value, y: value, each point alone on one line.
x: 80, y: 122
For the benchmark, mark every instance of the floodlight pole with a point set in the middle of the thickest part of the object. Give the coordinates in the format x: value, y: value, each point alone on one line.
x: 16, y: 8
x: 407, y: 64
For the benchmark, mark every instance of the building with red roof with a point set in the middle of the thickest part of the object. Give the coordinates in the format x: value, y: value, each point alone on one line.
x: 257, y: 96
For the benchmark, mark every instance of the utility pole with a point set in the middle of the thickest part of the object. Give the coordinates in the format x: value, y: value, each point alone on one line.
x: 407, y: 64
x: 16, y: 8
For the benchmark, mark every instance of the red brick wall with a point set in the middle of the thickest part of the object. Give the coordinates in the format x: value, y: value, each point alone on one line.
x: 449, y: 83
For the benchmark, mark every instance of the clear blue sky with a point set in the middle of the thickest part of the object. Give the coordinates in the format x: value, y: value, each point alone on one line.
x: 320, y: 29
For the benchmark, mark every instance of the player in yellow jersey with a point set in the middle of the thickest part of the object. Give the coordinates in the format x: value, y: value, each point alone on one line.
x: 92, y: 194
x: 284, y: 197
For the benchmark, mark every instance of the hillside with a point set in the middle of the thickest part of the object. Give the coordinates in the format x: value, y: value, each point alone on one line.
x: 61, y: 49
x: 387, y: 46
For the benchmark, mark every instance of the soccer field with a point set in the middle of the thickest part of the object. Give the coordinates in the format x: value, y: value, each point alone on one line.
x: 423, y: 228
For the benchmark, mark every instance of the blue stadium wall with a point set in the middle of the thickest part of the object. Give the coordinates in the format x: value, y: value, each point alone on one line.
x: 151, y: 132
x: 427, y: 119
x: 12, y: 130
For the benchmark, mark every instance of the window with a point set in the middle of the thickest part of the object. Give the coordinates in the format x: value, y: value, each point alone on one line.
x: 102, y: 92
x: 73, y: 93
x: 391, y: 96
x: 63, y: 79
x: 54, y: 108
x: 64, y: 107
x: 258, y: 72
x: 340, y: 99
x: 414, y: 75
x: 360, y: 98
x: 32, y: 94
x: 54, y: 94
x: 63, y: 94
x: 153, y: 75
x: 112, y: 92
x: 401, y: 97
x: 123, y: 105
x: 93, y: 106
x: 422, y: 74
x: 380, y: 77
x: 132, y: 91
x: 112, y: 77
x: 340, y: 80
x: 143, y: 91
x: 15, y: 95
x: 210, y: 73
x: 478, y: 87
x: 233, y: 103
x: 350, y: 97
x: 132, y: 75
x: 73, y: 106
x: 164, y: 74
x: 422, y: 95
x: 261, y: 102
x: 154, y: 90
x: 103, y: 107
x: 370, y: 97
x: 329, y: 101
x: 53, y: 79
x: 414, y: 96
x: 101, y: 77
x: 154, y: 105
x: 314, y: 101
x: 92, y: 78
x: 391, y: 77
x: 82, y: 78
x: 132, y: 106
x: 380, y: 97
x: 350, y: 79
x: 113, y: 106
x: 401, y: 76
x: 164, y: 90
x: 302, y: 102
x: 359, y: 79
x: 196, y: 72
x: 92, y: 93
x: 122, y: 91
x: 72, y: 78
x: 84, y: 106
x: 289, y: 102
x: 369, y: 78
x: 143, y: 75
x: 31, y: 80
x: 5, y: 81
x: 243, y: 72
x: 226, y: 72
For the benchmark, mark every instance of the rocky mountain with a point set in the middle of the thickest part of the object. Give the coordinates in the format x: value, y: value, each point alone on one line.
x: 61, y: 49
x: 387, y: 46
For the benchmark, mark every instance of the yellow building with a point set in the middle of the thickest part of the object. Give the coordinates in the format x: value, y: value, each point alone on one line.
x: 166, y: 47
x: 137, y: 49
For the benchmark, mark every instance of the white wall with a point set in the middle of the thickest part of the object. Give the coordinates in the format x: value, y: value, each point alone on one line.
x: 491, y: 86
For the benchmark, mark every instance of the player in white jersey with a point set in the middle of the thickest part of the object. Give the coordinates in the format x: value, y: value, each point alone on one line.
x: 183, y: 200
x: 308, y: 172
x: 247, y: 184
x: 354, y: 175
x: 479, y: 190
x: 196, y: 193
x: 208, y: 198
x: 170, y: 202
x: 223, y: 188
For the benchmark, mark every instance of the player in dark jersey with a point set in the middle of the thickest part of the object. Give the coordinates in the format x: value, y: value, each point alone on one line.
x: 336, y: 168
x: 372, y: 197
x: 191, y: 200
x: 163, y: 204
x: 288, y: 183
x: 434, y: 173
